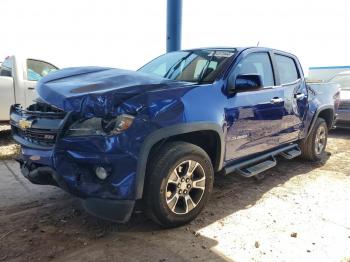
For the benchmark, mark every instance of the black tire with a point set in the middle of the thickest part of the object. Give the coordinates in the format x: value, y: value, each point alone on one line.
x: 162, y: 166
x: 308, y: 146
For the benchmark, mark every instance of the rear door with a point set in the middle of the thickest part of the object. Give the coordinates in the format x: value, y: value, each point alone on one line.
x: 254, y: 117
x: 290, y: 78
x: 35, y: 70
x: 7, y: 95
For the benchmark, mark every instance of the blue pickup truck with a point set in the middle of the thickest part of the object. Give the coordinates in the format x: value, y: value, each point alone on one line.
x: 159, y: 135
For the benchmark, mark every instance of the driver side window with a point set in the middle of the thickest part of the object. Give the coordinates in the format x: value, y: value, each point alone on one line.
x: 257, y: 63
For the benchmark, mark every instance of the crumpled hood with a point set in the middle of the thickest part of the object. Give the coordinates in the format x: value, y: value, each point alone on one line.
x: 96, y: 91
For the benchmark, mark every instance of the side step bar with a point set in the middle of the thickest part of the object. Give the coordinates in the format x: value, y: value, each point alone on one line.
x: 291, y: 153
x: 255, y: 166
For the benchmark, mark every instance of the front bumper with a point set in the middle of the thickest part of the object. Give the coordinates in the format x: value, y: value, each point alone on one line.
x: 95, y: 202
x: 76, y: 166
x: 70, y: 163
x: 113, y: 210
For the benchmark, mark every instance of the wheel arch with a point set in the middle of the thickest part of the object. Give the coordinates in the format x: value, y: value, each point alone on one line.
x: 327, y: 113
x: 180, y: 132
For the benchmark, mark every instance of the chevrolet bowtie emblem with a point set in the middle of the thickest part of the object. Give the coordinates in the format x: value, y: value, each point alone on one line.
x: 24, y: 124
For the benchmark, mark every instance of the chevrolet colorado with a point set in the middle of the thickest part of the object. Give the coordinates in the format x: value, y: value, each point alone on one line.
x: 158, y: 135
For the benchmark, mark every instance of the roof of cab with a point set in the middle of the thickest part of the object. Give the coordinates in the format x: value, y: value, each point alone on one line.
x: 239, y: 49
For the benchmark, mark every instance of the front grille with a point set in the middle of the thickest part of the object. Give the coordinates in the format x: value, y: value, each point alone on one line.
x: 41, y: 137
x: 344, y: 104
x: 39, y: 124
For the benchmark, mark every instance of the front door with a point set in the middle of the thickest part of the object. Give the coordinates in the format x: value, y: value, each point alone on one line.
x: 254, y: 118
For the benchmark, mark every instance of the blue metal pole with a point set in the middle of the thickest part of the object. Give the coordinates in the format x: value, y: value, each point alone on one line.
x: 174, y: 23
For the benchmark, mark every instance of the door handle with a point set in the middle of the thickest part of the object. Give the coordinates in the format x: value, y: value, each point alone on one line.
x: 276, y: 100
x: 299, y: 96
x: 31, y: 88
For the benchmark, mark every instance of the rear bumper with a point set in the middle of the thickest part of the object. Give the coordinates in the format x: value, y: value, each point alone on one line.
x: 343, y: 119
x: 342, y: 124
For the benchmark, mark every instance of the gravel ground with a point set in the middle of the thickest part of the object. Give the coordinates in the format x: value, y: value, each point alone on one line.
x: 8, y: 148
x: 4, y: 127
x: 299, y: 212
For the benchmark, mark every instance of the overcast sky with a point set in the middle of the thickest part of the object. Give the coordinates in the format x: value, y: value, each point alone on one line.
x: 128, y: 33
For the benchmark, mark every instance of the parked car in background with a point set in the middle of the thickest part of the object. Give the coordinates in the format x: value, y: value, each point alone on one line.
x: 325, y: 73
x: 158, y: 136
x: 343, y: 113
x: 18, y: 78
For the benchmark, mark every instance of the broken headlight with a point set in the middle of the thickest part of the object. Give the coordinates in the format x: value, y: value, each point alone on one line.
x: 100, y: 126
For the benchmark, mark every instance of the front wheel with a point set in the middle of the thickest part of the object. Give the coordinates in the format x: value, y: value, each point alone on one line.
x: 314, y: 146
x: 179, y: 183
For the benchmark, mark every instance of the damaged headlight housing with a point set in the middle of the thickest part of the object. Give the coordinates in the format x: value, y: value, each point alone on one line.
x: 101, y: 126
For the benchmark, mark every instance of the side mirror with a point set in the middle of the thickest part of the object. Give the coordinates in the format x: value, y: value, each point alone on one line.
x: 245, y: 83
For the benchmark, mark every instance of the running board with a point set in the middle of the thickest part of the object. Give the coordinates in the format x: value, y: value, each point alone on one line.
x: 291, y: 153
x: 255, y: 166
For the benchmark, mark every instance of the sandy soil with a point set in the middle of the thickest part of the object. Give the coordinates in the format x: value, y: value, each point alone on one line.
x: 299, y: 212
x: 8, y: 148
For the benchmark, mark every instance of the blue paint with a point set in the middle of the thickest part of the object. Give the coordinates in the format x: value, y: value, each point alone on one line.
x: 247, y: 122
x: 174, y: 24
x: 95, y: 91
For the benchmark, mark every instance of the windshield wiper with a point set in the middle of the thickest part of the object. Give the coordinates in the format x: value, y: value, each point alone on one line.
x: 172, y: 69
x: 205, y: 68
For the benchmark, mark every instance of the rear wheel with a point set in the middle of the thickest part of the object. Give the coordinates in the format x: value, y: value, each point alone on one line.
x: 179, y: 183
x: 314, y: 146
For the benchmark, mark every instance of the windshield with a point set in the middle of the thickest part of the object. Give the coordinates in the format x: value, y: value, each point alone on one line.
x: 192, y: 66
x: 342, y: 80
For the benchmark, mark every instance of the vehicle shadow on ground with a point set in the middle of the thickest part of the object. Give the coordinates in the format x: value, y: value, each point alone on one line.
x: 232, y: 193
x: 65, y: 231
x: 5, y: 137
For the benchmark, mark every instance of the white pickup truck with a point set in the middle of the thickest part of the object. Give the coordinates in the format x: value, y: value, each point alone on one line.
x: 18, y: 78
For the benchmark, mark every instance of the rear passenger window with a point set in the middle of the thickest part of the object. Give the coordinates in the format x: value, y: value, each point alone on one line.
x: 257, y: 63
x: 287, y: 69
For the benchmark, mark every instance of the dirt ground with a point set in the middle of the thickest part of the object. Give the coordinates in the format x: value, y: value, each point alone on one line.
x: 299, y: 212
x: 8, y: 149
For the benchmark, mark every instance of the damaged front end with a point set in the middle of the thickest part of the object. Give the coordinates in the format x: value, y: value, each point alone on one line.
x: 90, y: 158
x: 86, y: 132
x: 37, y: 128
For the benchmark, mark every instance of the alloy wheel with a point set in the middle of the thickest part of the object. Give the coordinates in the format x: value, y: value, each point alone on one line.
x: 185, y: 187
x: 320, y: 139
